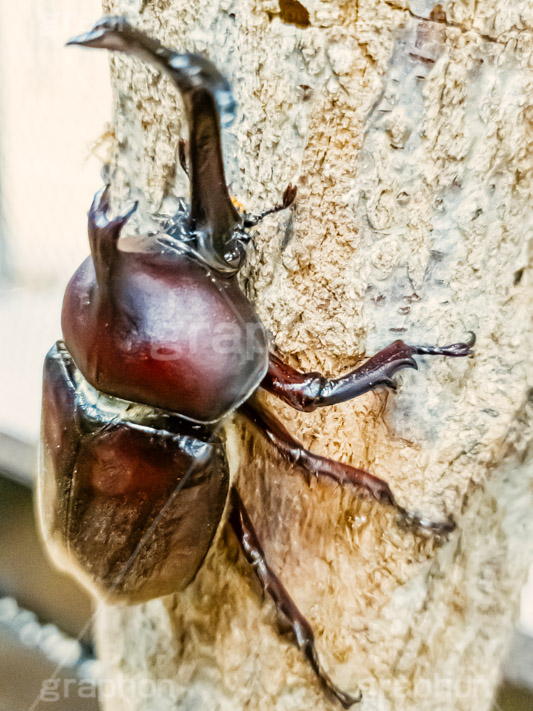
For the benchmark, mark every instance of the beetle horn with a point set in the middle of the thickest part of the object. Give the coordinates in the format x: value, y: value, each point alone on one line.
x: 206, y: 95
x: 104, y: 233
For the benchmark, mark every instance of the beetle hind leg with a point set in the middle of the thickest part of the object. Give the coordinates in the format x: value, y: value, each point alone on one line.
x: 329, y: 469
x: 254, y: 554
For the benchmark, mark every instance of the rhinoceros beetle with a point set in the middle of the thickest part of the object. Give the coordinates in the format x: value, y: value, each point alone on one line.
x: 161, y: 347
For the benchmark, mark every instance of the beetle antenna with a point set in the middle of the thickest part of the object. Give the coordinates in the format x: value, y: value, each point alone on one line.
x: 207, y: 96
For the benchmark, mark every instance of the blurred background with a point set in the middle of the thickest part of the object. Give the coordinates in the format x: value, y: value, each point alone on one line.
x: 55, y: 105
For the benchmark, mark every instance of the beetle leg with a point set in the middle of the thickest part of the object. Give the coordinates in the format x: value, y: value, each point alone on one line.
x: 307, y: 391
x: 288, y: 198
x: 271, y: 584
x: 344, y: 474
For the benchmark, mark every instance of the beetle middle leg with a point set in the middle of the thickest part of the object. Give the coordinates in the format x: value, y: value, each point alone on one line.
x: 307, y: 391
x: 255, y: 555
x: 324, y: 468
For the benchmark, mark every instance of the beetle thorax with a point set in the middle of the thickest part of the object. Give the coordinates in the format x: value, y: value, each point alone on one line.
x: 160, y: 328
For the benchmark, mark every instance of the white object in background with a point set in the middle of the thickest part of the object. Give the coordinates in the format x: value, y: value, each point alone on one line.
x: 55, y: 103
x: 31, y: 320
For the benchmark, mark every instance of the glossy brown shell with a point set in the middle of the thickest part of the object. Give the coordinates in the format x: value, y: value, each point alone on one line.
x: 131, y: 506
x: 160, y: 328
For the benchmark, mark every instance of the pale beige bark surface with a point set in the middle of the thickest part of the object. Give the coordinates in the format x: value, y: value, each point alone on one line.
x: 410, y: 141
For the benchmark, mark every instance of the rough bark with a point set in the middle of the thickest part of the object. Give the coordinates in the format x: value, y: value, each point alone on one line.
x: 410, y: 140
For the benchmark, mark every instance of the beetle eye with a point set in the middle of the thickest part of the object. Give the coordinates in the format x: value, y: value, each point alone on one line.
x: 235, y: 253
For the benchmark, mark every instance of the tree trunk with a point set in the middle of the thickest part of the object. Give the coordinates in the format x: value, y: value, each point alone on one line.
x: 408, y: 131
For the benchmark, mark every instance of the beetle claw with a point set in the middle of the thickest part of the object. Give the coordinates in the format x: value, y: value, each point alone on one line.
x: 409, y: 362
x: 455, y: 350
x: 424, y: 526
x: 413, y: 521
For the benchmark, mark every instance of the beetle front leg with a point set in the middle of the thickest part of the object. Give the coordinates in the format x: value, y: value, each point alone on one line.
x: 307, y: 391
x: 344, y: 474
x: 271, y: 584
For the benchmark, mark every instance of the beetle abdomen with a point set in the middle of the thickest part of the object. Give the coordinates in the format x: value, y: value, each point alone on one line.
x: 160, y: 328
x: 132, y: 500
